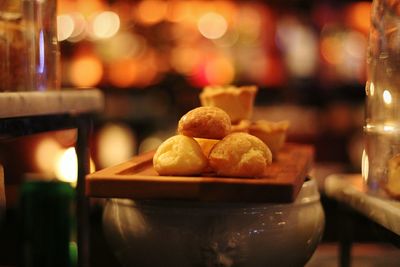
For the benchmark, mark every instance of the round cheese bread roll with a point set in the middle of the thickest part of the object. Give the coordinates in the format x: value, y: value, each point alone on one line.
x: 205, y: 122
x: 179, y: 155
x: 240, y: 155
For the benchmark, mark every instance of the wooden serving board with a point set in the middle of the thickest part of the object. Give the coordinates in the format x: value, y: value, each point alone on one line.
x: 137, y: 179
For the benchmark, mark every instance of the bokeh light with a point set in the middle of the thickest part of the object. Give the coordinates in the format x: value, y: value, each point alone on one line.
x: 85, y: 71
x: 65, y: 27
x: 150, y: 143
x: 151, y: 11
x: 46, y: 153
x: 358, y: 15
x: 66, y: 167
x: 330, y: 49
x: 219, y: 71
x: 212, y: 25
x: 123, y: 73
x: 105, y: 24
x: 80, y: 27
x: 124, y: 45
x: 184, y: 59
x: 90, y: 7
x: 116, y: 143
x: 248, y: 41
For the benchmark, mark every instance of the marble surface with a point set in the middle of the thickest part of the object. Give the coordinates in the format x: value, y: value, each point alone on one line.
x: 349, y: 189
x: 72, y: 101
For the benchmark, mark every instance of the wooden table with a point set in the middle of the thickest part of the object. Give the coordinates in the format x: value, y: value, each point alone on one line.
x: 349, y: 190
x: 25, y: 113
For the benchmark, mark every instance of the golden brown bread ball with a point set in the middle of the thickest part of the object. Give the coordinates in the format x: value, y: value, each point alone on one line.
x: 240, y: 155
x: 179, y: 155
x: 205, y: 122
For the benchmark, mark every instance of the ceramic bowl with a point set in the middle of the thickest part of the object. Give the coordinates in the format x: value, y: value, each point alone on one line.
x: 189, y: 233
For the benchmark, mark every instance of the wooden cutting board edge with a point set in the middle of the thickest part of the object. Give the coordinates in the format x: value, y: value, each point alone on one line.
x: 154, y: 187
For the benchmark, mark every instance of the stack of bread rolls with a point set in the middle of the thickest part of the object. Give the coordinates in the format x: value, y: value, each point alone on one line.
x: 220, y: 138
x: 205, y: 144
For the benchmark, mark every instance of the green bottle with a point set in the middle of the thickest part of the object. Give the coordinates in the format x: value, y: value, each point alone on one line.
x: 46, y: 215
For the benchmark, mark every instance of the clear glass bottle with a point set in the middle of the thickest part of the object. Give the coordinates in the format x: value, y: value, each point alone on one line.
x: 40, y: 18
x: 382, y: 111
x: 29, y: 51
x: 13, y: 52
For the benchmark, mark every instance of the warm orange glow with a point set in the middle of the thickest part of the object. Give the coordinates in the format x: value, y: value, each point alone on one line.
x: 199, y: 8
x: 184, y: 58
x: 123, y: 73
x: 212, y: 25
x: 227, y: 9
x: 149, y: 67
x: 176, y: 11
x: 138, y: 72
x: 151, y: 11
x: 355, y: 45
x: 358, y: 16
x: 191, y: 11
x: 66, y: 167
x: 45, y: 155
x: 122, y: 46
x: 89, y: 7
x: 330, y: 50
x: 86, y: 71
x: 219, y: 71
x: 65, y: 6
x: 105, y: 24
x: 249, y: 24
x: 123, y: 9
x: 80, y: 25
x: 66, y: 138
x: 65, y: 27
x: 116, y: 144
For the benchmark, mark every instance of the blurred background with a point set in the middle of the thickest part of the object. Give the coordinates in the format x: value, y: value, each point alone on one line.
x: 152, y: 58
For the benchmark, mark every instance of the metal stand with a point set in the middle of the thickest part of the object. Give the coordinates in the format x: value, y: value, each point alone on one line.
x: 84, y: 125
x: 27, y: 113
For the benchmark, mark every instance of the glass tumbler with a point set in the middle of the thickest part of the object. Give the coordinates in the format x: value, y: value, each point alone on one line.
x: 29, y: 52
x: 381, y: 157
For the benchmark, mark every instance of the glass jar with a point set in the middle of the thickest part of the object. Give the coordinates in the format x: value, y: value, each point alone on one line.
x: 29, y: 52
x: 381, y: 157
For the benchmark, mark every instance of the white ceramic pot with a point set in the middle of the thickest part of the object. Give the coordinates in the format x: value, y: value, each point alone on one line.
x: 184, y: 233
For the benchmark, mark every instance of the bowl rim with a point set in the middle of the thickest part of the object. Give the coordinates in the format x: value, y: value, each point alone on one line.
x: 309, y: 194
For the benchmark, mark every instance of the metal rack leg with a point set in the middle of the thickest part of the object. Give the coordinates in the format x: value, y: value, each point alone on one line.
x: 2, y: 190
x: 84, y: 126
x: 345, y: 236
